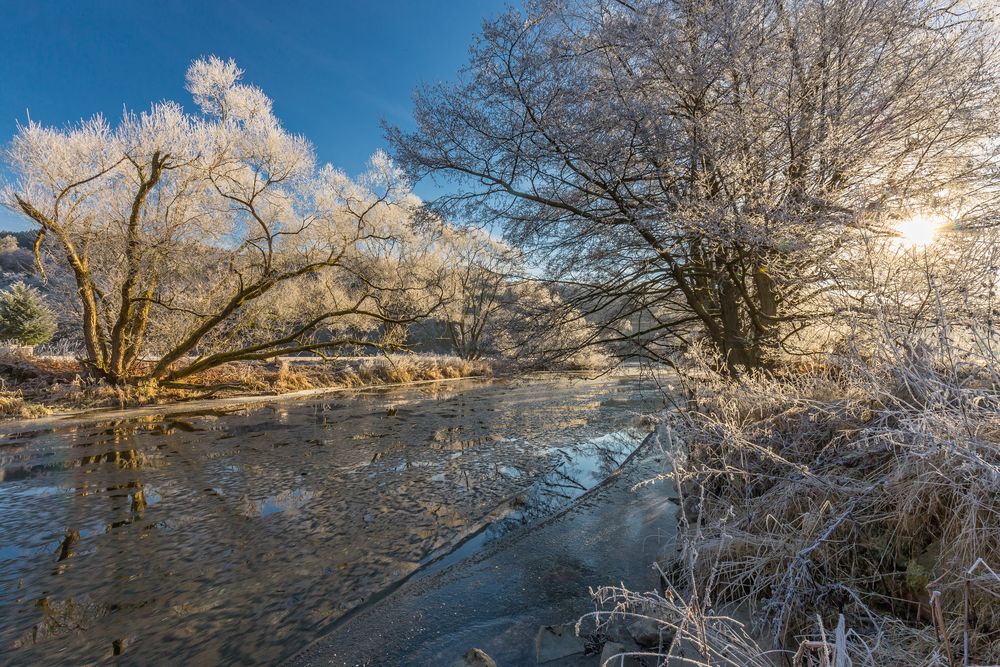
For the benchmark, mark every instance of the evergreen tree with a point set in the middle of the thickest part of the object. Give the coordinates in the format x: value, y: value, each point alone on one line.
x: 24, y: 317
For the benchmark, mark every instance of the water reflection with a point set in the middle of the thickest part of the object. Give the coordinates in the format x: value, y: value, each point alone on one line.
x: 235, y: 535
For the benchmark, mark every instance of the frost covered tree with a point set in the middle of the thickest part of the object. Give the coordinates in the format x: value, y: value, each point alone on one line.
x: 694, y: 169
x: 196, y: 239
x: 24, y: 317
x: 478, y: 288
x: 405, y: 271
x: 14, y: 258
x: 541, y: 329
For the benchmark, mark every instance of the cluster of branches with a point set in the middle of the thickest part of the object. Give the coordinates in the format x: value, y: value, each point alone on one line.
x: 853, y: 491
x: 690, y: 170
x: 192, y: 240
x: 492, y: 307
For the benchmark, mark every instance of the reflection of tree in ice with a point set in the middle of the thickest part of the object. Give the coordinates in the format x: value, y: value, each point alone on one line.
x: 575, y: 471
x: 201, y: 530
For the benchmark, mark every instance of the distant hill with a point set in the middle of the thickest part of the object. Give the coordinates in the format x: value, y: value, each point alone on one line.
x: 25, y: 238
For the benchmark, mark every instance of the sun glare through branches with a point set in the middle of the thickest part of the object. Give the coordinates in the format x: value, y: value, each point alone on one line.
x: 920, y: 231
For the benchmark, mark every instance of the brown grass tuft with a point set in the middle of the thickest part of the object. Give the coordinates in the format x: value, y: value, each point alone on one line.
x: 863, y: 487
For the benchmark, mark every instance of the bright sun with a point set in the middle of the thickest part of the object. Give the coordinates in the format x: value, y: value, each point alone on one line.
x: 920, y: 230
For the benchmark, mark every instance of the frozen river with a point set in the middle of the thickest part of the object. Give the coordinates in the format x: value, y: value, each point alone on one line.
x: 239, y: 534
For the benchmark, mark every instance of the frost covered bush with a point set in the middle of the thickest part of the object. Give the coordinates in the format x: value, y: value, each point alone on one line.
x: 846, y: 501
x: 863, y: 486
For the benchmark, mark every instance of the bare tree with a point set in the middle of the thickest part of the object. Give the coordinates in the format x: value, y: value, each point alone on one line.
x: 198, y: 239
x: 543, y: 330
x: 694, y: 168
x: 480, y: 278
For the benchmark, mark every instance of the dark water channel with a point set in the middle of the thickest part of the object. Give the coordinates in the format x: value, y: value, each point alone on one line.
x: 238, y: 534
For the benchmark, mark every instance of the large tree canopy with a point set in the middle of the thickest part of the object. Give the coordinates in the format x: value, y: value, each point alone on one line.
x: 196, y: 239
x: 691, y: 169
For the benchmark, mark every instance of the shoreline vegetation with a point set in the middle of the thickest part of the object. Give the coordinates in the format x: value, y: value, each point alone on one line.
x: 41, y: 386
x: 839, y: 508
x: 35, y: 387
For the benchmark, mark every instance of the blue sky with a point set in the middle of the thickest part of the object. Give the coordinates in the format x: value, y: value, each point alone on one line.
x: 333, y: 69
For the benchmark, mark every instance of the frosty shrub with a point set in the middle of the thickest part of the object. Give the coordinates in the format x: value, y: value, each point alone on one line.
x: 24, y: 317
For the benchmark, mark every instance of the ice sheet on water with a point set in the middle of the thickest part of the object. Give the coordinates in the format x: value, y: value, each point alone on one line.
x: 228, y: 536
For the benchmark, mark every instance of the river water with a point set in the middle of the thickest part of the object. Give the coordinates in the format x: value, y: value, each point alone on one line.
x: 239, y: 533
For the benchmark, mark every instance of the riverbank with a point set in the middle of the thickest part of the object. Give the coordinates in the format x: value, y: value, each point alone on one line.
x: 56, y: 387
x: 850, y: 508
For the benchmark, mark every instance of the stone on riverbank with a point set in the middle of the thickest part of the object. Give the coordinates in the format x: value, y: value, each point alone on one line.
x: 557, y: 641
x: 613, y: 649
x: 475, y: 657
x: 650, y: 633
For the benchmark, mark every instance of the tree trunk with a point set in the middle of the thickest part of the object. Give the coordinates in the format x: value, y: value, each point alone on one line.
x: 735, y: 350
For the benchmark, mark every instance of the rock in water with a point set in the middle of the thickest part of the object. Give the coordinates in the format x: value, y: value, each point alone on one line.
x: 475, y: 657
x: 610, y: 650
x: 613, y: 649
x: 648, y: 633
x: 557, y: 641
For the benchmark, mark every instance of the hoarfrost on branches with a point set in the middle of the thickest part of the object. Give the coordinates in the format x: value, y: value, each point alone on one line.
x: 187, y: 234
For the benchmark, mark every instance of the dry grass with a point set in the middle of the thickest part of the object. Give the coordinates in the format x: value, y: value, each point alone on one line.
x: 39, y: 385
x: 408, y: 368
x: 13, y: 406
x: 867, y: 486
x: 690, y: 634
x: 26, y: 384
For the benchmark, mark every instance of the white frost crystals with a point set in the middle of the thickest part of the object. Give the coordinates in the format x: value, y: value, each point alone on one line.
x: 198, y: 239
